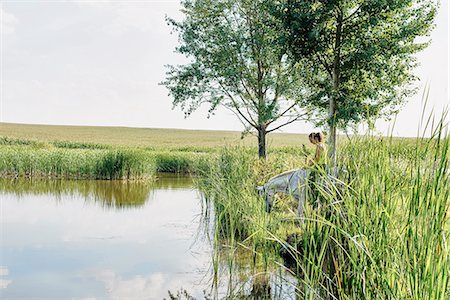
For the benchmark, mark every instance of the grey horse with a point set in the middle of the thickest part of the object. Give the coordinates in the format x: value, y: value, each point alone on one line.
x: 294, y: 183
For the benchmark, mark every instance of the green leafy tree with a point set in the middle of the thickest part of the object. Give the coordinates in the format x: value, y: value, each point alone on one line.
x: 235, y: 61
x: 359, y: 53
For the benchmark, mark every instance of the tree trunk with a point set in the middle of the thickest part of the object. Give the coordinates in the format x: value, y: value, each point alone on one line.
x: 332, y: 138
x: 335, y: 93
x: 262, y: 142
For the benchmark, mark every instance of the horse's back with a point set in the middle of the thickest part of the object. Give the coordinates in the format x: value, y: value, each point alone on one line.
x: 283, y: 175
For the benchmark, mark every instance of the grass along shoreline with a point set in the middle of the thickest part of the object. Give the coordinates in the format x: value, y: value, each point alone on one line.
x: 24, y: 158
x: 88, y: 152
x: 83, y: 152
x: 109, y: 164
x: 381, y: 233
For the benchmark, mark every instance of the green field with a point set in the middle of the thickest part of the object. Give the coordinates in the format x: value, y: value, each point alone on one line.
x: 143, y: 137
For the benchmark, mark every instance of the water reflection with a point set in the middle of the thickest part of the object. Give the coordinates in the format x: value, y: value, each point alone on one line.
x: 110, y: 193
x: 118, y: 240
x: 65, y: 240
x: 243, y: 274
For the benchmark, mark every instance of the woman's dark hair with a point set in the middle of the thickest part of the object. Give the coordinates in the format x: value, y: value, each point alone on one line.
x: 317, y: 136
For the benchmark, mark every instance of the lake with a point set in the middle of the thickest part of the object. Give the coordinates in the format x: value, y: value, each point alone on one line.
x: 105, y: 240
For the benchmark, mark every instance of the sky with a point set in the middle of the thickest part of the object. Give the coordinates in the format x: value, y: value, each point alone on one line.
x: 100, y: 63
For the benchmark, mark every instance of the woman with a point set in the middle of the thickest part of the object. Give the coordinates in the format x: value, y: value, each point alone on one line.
x: 316, y: 165
x: 320, y: 156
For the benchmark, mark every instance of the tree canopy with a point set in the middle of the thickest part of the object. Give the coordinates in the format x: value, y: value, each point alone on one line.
x: 236, y: 61
x: 360, y: 53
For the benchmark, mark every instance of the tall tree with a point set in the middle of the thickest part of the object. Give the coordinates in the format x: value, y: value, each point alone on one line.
x: 360, y: 53
x: 235, y: 62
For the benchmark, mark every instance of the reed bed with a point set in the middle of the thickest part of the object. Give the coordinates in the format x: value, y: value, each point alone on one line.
x: 378, y: 231
x: 180, y: 161
x: 74, y: 163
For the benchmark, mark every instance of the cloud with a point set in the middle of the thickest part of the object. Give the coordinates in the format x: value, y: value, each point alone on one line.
x: 135, y: 287
x: 135, y: 16
x: 4, y: 271
x: 3, y: 282
x: 151, y: 286
x: 8, y: 22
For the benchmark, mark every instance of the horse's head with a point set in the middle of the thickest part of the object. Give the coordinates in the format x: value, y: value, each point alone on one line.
x: 263, y: 193
x: 260, y: 190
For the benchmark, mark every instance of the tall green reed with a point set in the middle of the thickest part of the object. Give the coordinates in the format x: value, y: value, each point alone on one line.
x: 20, y: 161
x: 91, y: 161
x: 380, y: 231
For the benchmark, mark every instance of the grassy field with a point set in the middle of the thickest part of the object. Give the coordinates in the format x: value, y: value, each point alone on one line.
x: 82, y: 152
x: 143, y: 137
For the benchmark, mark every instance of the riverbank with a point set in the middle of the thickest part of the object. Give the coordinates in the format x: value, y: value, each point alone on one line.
x: 87, y: 152
x: 378, y: 231
x: 46, y: 160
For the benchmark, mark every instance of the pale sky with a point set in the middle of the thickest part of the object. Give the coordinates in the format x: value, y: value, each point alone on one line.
x: 100, y: 62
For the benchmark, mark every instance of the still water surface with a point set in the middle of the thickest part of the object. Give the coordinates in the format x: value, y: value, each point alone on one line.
x: 101, y: 240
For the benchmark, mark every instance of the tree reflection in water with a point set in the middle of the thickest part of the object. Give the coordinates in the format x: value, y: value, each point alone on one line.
x: 117, y: 194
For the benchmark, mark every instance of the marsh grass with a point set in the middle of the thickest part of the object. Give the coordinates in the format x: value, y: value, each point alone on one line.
x: 240, y: 222
x: 75, y: 160
x: 380, y: 231
x: 19, y: 161
x: 180, y: 161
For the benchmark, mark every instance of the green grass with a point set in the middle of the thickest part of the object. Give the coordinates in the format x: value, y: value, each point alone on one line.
x: 187, y: 140
x: 83, y: 152
x: 380, y: 233
x: 48, y: 161
x: 51, y: 162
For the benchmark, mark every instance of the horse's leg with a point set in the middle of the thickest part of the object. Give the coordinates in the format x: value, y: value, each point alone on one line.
x: 269, y: 200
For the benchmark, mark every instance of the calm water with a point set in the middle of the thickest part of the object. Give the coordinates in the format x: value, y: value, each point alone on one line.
x: 111, y: 240
x: 99, y: 239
